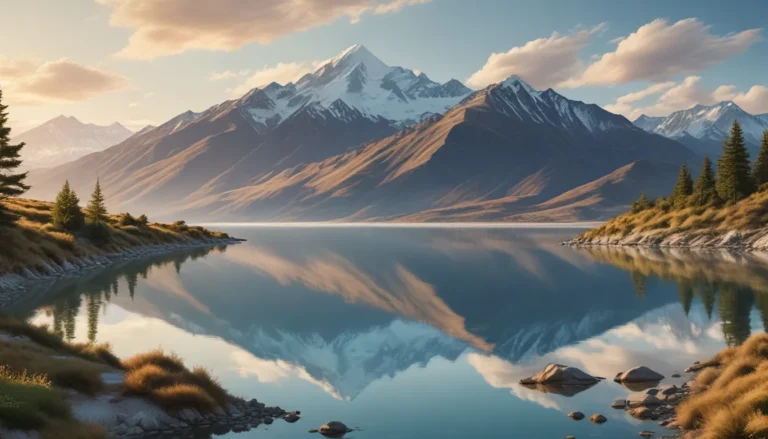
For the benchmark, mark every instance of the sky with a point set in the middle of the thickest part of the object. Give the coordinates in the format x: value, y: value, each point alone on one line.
x: 142, y: 62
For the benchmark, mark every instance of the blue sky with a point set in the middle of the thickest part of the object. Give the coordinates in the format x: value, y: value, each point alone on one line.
x: 69, y: 56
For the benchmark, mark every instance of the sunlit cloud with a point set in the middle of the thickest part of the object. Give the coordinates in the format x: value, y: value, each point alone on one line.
x: 169, y: 27
x: 30, y: 82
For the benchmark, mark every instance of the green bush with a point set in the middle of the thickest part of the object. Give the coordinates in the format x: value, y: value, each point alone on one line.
x: 98, y: 233
x: 26, y: 401
x: 142, y: 221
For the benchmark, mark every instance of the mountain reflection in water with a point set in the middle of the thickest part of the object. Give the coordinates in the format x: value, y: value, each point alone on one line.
x: 344, y: 309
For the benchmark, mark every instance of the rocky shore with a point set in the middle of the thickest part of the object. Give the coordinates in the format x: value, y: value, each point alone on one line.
x: 737, y: 240
x: 13, y: 286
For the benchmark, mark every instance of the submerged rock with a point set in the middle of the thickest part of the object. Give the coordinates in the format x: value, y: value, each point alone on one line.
x: 558, y: 374
x: 576, y: 416
x: 334, y: 429
x: 639, y: 374
x: 597, y: 418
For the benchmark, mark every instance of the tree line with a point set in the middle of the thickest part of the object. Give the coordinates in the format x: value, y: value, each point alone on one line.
x: 735, y: 180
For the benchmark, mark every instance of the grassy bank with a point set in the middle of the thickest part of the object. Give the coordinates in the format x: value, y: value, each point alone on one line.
x: 37, y: 367
x: 32, y: 241
x: 731, y: 399
x: 661, y: 221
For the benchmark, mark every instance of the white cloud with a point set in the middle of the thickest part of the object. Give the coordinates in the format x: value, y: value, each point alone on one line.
x: 659, y: 51
x: 281, y: 73
x: 624, y: 103
x: 545, y: 62
x: 30, y: 82
x: 228, y: 74
x: 687, y: 94
x: 754, y: 101
x: 168, y: 27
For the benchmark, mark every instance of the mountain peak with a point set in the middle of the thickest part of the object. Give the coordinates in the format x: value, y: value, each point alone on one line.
x: 516, y: 82
x: 359, y: 54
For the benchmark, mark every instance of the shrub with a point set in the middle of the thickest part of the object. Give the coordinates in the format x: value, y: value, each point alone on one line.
x: 181, y: 396
x: 126, y: 219
x: 142, y: 221
x: 98, y: 233
x: 202, y: 378
x: 170, y: 362
x: 26, y: 400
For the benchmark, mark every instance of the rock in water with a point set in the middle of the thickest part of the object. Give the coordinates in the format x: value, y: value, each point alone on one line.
x: 640, y: 374
x: 598, y: 418
x: 619, y: 404
x: 333, y: 429
x: 558, y: 374
x: 646, y: 433
x: 576, y: 416
x: 291, y: 417
x: 643, y: 401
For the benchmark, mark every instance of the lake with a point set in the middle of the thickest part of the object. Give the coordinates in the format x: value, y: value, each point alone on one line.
x: 419, y: 332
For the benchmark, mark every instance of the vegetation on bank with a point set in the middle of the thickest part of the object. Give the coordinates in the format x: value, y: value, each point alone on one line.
x: 733, y: 198
x: 731, y: 399
x: 37, y: 365
x: 36, y: 233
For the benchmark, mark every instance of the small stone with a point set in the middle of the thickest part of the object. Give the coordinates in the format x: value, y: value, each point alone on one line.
x: 598, y: 418
x: 641, y: 413
x: 576, y: 416
x: 268, y: 420
x: 619, y: 404
x: 675, y: 375
x: 333, y: 428
x: 291, y: 417
x: 646, y: 433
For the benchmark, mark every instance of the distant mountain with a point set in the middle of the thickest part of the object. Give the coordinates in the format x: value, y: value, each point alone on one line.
x: 64, y: 139
x: 352, y: 99
x: 506, y: 149
x: 703, y: 128
x: 648, y: 123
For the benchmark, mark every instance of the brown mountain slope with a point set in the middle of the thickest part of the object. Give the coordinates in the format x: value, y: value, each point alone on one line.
x: 504, y: 150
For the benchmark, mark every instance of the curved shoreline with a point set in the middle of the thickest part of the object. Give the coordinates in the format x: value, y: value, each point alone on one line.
x: 14, y: 286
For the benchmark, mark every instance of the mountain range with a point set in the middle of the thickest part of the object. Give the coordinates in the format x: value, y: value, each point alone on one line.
x: 64, y: 139
x: 703, y: 128
x: 359, y: 140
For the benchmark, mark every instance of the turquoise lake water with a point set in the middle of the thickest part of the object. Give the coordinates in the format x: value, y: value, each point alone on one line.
x: 419, y: 332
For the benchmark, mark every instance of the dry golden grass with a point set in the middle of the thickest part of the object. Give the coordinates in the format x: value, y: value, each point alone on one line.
x: 73, y: 429
x: 33, y: 241
x: 748, y: 214
x: 168, y: 383
x: 732, y: 398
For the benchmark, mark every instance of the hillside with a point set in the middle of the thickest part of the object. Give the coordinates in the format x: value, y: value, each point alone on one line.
x: 33, y: 247
x: 743, y: 225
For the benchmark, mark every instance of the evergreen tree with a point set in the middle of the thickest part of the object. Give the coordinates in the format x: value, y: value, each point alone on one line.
x: 66, y: 211
x: 94, y: 304
x: 684, y: 187
x: 704, y: 191
x: 734, y: 174
x: 735, y: 305
x: 760, y: 169
x: 685, y: 294
x: 96, y: 211
x: 641, y: 204
x: 708, y: 294
x: 11, y: 185
x: 132, y: 279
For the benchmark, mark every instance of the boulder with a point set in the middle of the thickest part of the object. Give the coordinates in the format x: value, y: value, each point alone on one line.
x: 641, y: 413
x: 576, y: 416
x: 643, y: 400
x: 646, y: 433
x: 291, y: 417
x: 619, y: 404
x: 558, y: 374
x: 639, y: 374
x: 598, y: 418
x: 333, y: 428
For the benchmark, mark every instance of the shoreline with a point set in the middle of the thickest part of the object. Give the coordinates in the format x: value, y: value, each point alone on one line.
x: 13, y: 286
x: 755, y: 240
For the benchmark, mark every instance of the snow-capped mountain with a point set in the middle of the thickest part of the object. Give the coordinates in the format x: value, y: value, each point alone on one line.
x: 64, y: 139
x: 648, y: 123
x: 704, y: 128
x: 356, y: 80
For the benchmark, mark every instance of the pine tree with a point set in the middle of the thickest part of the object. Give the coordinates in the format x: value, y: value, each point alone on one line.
x: 760, y: 169
x: 66, y: 210
x: 734, y: 173
x: 96, y: 210
x: 704, y: 191
x: 684, y: 187
x: 641, y: 204
x: 11, y: 185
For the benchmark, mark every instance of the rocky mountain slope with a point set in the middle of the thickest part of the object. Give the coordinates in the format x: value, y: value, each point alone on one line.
x: 352, y: 99
x: 64, y: 139
x: 508, y: 144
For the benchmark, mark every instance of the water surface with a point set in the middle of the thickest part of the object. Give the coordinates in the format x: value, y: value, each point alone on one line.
x: 419, y: 332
